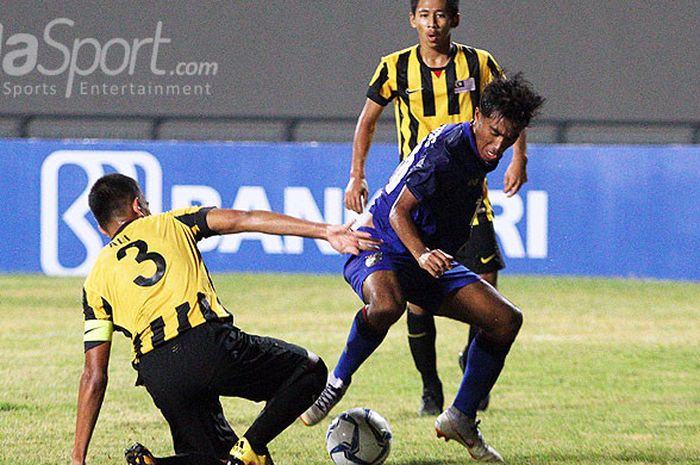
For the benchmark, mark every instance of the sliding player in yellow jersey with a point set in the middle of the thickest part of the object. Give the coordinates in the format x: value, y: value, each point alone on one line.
x: 150, y: 283
x: 433, y: 83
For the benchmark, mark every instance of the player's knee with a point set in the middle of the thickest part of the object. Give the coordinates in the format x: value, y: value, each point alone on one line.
x: 386, y: 305
x: 506, y: 326
x: 416, y: 310
x: 513, y: 324
x: 382, y: 314
x: 317, y: 373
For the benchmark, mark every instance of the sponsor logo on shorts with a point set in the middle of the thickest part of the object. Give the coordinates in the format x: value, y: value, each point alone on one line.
x: 373, y: 259
x: 485, y: 260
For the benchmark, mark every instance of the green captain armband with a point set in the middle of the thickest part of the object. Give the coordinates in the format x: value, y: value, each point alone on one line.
x: 97, y: 332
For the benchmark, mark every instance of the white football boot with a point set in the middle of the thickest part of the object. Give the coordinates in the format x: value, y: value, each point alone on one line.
x: 329, y: 397
x: 453, y: 424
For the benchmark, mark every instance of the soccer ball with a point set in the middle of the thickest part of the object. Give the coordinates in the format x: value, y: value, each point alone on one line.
x: 358, y: 436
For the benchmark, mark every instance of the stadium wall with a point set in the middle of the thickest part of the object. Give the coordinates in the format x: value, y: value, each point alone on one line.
x: 587, y: 210
x: 619, y: 60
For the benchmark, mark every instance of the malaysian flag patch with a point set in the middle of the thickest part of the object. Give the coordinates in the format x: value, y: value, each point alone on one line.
x: 465, y: 85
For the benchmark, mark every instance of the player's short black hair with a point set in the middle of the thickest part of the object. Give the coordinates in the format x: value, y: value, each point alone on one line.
x: 513, y: 98
x: 110, y: 195
x: 452, y: 7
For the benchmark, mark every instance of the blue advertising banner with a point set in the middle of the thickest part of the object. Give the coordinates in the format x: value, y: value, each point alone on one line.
x: 586, y: 210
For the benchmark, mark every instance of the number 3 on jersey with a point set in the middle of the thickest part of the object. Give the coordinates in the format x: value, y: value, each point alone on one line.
x: 142, y: 256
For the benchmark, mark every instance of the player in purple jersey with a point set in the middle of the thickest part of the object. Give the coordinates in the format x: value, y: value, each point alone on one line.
x: 444, y: 170
x: 422, y: 215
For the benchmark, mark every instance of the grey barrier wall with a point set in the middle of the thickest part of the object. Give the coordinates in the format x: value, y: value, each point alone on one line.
x: 621, y: 60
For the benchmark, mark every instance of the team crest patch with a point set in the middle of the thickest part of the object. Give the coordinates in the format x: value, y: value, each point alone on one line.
x: 465, y: 85
x: 373, y: 259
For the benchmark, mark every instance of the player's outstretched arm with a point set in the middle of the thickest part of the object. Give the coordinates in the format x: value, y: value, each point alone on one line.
x: 93, y: 384
x: 357, y: 190
x: 341, y: 237
x: 435, y: 261
x: 344, y: 240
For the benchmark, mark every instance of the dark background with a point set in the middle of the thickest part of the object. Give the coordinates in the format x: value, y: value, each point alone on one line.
x: 625, y: 60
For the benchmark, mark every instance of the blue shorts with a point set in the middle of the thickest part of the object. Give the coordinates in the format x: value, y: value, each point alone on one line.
x: 418, y: 286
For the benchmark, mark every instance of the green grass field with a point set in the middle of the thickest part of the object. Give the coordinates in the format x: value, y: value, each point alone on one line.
x: 604, y: 372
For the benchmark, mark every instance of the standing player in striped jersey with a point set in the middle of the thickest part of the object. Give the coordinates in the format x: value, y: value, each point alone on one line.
x: 151, y: 284
x: 433, y: 83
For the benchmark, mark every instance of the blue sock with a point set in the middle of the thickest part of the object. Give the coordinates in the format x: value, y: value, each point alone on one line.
x: 484, y: 364
x: 362, y: 341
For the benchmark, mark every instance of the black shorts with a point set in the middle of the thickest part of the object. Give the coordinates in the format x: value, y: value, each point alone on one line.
x: 186, y: 375
x: 481, y: 253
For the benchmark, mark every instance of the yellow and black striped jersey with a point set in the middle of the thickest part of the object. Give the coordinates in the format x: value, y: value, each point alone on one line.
x: 150, y: 282
x: 426, y: 98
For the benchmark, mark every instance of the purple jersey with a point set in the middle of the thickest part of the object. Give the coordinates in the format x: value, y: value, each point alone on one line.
x: 446, y: 175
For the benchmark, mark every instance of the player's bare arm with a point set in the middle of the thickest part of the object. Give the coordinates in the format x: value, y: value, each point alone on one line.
x: 93, y: 384
x: 341, y: 237
x: 357, y: 190
x: 516, y: 173
x: 435, y: 261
